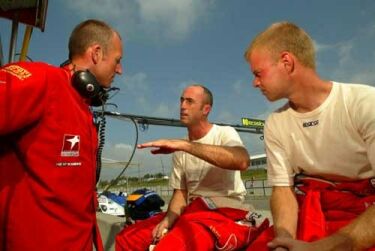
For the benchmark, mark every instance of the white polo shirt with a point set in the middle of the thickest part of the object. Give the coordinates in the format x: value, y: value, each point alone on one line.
x: 335, y: 141
x: 200, y: 178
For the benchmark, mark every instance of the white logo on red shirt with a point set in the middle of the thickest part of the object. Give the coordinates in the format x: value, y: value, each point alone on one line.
x: 71, y: 145
x: 372, y: 181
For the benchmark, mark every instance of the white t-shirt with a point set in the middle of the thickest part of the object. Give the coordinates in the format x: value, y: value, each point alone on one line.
x: 201, y: 178
x: 335, y: 141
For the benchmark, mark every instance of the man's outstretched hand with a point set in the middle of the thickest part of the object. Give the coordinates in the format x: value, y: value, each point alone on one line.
x: 165, y: 146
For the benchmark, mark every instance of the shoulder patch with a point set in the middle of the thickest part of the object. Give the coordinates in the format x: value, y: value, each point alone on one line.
x: 17, y: 71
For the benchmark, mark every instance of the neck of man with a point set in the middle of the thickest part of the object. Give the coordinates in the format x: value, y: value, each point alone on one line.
x: 199, y: 130
x: 308, y: 92
x: 78, y: 64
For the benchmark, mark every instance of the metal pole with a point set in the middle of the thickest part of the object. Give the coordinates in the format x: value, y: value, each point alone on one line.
x: 1, y: 53
x: 13, y: 41
x: 162, y: 166
x: 264, y: 188
x: 26, y: 41
x: 139, y: 174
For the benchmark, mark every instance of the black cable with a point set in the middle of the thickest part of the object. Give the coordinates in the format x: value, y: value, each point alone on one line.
x: 101, y: 124
x: 101, y: 138
x: 29, y: 58
x: 115, y: 91
x: 114, y: 182
x: 101, y: 129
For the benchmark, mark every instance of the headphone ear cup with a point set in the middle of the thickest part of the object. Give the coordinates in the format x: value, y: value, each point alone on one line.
x: 86, y: 84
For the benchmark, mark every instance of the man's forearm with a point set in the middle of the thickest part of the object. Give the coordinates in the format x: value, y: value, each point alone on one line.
x: 284, y: 211
x: 226, y: 157
x: 361, y: 231
x: 176, y: 206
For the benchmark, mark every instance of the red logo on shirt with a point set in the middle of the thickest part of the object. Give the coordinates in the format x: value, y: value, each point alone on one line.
x: 71, y: 144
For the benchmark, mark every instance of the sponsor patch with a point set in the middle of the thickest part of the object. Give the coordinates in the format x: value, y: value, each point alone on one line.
x: 17, y: 71
x: 68, y: 164
x: 372, y: 181
x: 71, y: 145
x: 311, y: 123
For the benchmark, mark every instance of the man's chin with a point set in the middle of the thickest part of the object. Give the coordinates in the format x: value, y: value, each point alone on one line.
x: 183, y: 121
x: 271, y: 99
x: 106, y: 85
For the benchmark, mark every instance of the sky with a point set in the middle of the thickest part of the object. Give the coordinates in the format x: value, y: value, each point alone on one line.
x: 169, y: 44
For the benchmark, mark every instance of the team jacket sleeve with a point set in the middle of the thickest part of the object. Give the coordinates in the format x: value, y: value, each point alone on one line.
x: 21, y: 97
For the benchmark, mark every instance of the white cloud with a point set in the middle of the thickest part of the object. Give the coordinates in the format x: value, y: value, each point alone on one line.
x: 166, y: 111
x: 319, y: 47
x: 119, y: 152
x: 138, y: 91
x: 138, y: 88
x: 156, y: 20
x: 111, y: 9
x: 136, y: 83
x: 253, y: 142
x: 271, y: 107
x: 238, y: 88
x: 170, y: 18
x: 142, y: 163
x: 366, y: 76
x: 344, y: 52
x: 351, y: 60
x: 225, y: 117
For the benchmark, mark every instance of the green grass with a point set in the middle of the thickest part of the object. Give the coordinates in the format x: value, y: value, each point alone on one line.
x: 256, y: 173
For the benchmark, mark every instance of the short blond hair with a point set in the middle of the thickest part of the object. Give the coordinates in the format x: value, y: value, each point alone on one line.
x: 285, y: 36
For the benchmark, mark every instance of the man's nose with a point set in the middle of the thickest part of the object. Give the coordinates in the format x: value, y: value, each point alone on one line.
x: 119, y: 69
x: 183, y: 105
x: 256, y: 82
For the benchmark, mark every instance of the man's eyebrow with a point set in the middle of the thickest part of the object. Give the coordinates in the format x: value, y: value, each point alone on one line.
x: 189, y: 99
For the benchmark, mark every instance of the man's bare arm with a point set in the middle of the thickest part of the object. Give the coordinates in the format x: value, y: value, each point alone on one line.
x: 361, y: 231
x: 226, y: 157
x: 176, y: 206
x: 358, y: 235
x: 284, y: 209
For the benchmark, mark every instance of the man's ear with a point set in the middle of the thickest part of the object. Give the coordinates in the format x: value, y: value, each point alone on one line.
x: 96, y: 53
x: 288, y: 61
x: 206, y: 109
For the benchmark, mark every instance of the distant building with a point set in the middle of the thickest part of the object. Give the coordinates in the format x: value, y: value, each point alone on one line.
x: 258, y: 160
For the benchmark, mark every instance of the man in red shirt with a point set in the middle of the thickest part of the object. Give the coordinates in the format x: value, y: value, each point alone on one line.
x: 48, y: 144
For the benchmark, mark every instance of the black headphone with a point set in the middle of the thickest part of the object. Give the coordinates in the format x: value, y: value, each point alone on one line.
x: 87, y: 86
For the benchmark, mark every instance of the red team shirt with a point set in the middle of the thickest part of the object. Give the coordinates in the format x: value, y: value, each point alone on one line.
x: 48, y: 145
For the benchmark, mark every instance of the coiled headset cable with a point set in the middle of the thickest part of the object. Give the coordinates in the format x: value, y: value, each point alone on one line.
x: 101, y: 123
x: 115, y: 181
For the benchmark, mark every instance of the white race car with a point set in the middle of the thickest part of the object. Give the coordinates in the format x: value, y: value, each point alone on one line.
x: 109, y: 206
